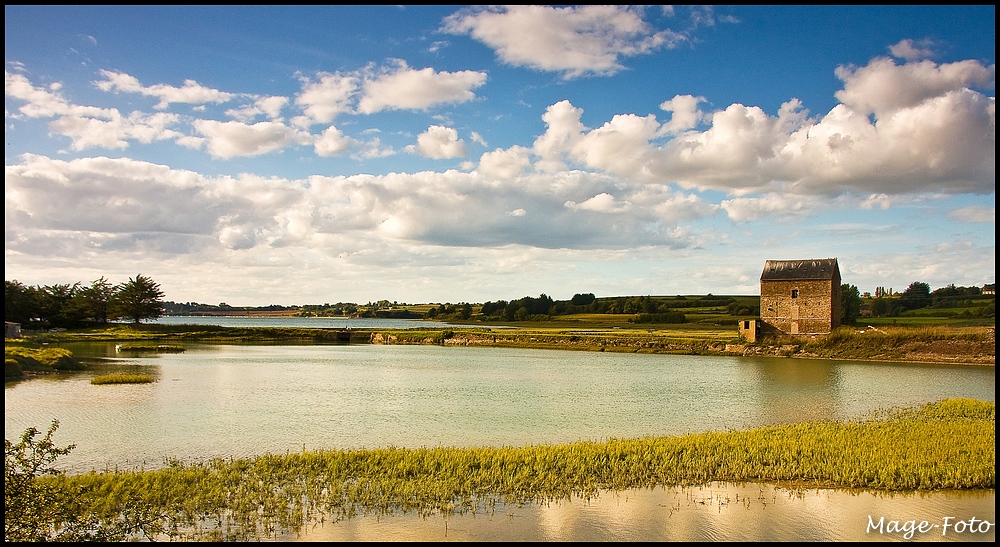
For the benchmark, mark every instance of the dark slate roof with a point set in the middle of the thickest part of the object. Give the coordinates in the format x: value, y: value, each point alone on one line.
x: 787, y: 270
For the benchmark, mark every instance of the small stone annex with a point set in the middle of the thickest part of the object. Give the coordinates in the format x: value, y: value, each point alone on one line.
x: 797, y: 297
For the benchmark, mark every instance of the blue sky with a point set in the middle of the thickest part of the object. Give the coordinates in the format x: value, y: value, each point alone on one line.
x: 294, y: 155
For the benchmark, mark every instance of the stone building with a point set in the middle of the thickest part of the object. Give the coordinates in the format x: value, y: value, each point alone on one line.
x: 800, y: 296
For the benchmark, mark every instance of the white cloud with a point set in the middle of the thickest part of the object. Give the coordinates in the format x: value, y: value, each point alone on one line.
x: 928, y: 133
x: 327, y: 98
x: 332, y: 142
x: 230, y: 139
x: 619, y: 146
x: 404, y: 88
x: 191, y: 93
x: 267, y: 106
x: 43, y: 103
x: 116, y: 132
x: 506, y: 164
x: 563, y: 130
x: 87, y: 126
x: 775, y: 206
x: 883, y: 87
x: 684, y: 113
x: 439, y: 142
x: 912, y: 51
x: 974, y: 213
x: 576, y: 41
x: 601, y: 203
x: 476, y: 137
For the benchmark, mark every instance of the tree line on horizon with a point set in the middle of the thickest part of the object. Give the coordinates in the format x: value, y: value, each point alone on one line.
x: 140, y: 298
x: 65, y: 305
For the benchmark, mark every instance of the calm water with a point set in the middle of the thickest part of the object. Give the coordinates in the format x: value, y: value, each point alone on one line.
x: 242, y: 400
x: 298, y: 322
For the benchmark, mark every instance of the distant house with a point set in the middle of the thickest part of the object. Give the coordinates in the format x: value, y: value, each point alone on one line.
x: 989, y: 289
x: 800, y: 296
x: 11, y: 330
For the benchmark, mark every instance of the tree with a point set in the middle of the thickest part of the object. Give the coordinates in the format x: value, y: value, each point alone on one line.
x: 917, y: 295
x: 139, y: 298
x: 98, y: 298
x: 850, y: 304
x: 20, y: 302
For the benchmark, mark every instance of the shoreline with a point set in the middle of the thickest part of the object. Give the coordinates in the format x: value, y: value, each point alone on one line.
x: 964, y: 346
x: 955, y: 352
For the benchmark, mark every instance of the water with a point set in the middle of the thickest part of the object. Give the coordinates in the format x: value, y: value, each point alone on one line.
x: 298, y: 322
x: 244, y: 400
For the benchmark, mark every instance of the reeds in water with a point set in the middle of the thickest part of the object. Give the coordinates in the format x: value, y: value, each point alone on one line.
x: 949, y: 444
x: 122, y: 378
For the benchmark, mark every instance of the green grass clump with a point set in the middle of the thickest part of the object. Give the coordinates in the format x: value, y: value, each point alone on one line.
x: 28, y: 359
x: 944, y: 445
x: 122, y: 378
x: 160, y: 348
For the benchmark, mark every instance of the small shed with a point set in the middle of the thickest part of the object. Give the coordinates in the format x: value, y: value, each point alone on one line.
x: 800, y: 296
x: 11, y: 329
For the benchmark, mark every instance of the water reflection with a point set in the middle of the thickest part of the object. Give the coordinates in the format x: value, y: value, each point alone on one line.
x: 717, y: 512
x: 789, y: 390
x: 244, y: 400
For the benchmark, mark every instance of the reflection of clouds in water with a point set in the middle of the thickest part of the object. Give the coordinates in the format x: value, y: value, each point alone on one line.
x: 717, y: 512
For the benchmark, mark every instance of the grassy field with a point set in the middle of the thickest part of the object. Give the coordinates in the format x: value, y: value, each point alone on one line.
x: 948, y: 444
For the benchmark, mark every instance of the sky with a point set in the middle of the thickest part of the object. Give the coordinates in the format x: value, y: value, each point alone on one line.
x: 258, y: 155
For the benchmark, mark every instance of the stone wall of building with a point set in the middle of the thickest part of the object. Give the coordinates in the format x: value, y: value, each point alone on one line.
x: 800, y: 306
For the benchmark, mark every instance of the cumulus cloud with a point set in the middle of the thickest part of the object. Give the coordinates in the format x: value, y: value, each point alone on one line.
x: 403, y: 88
x: 190, y: 93
x: 229, y: 139
x: 601, y: 203
x: 503, y: 164
x: 107, y: 201
x: 575, y: 41
x: 88, y: 126
x: 684, y: 113
x: 439, y: 142
x: 913, y: 50
x: 264, y: 106
x: 883, y: 87
x: 328, y: 97
x: 333, y: 142
x: 900, y: 130
x: 117, y: 131
x: 47, y: 103
x: 563, y: 130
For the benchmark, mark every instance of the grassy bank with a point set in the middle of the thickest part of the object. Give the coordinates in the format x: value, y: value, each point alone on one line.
x: 941, y: 344
x: 22, y: 357
x: 938, y: 344
x: 949, y: 444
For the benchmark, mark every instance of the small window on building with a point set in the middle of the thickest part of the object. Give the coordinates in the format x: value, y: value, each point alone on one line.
x: 795, y: 293
x: 746, y: 325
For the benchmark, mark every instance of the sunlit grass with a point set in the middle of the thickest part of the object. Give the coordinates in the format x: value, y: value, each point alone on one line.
x: 21, y: 357
x: 122, y: 378
x: 157, y: 348
x: 949, y: 444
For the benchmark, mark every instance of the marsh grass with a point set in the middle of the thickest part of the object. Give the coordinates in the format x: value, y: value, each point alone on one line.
x: 155, y: 348
x: 122, y: 378
x: 22, y: 357
x: 949, y: 444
